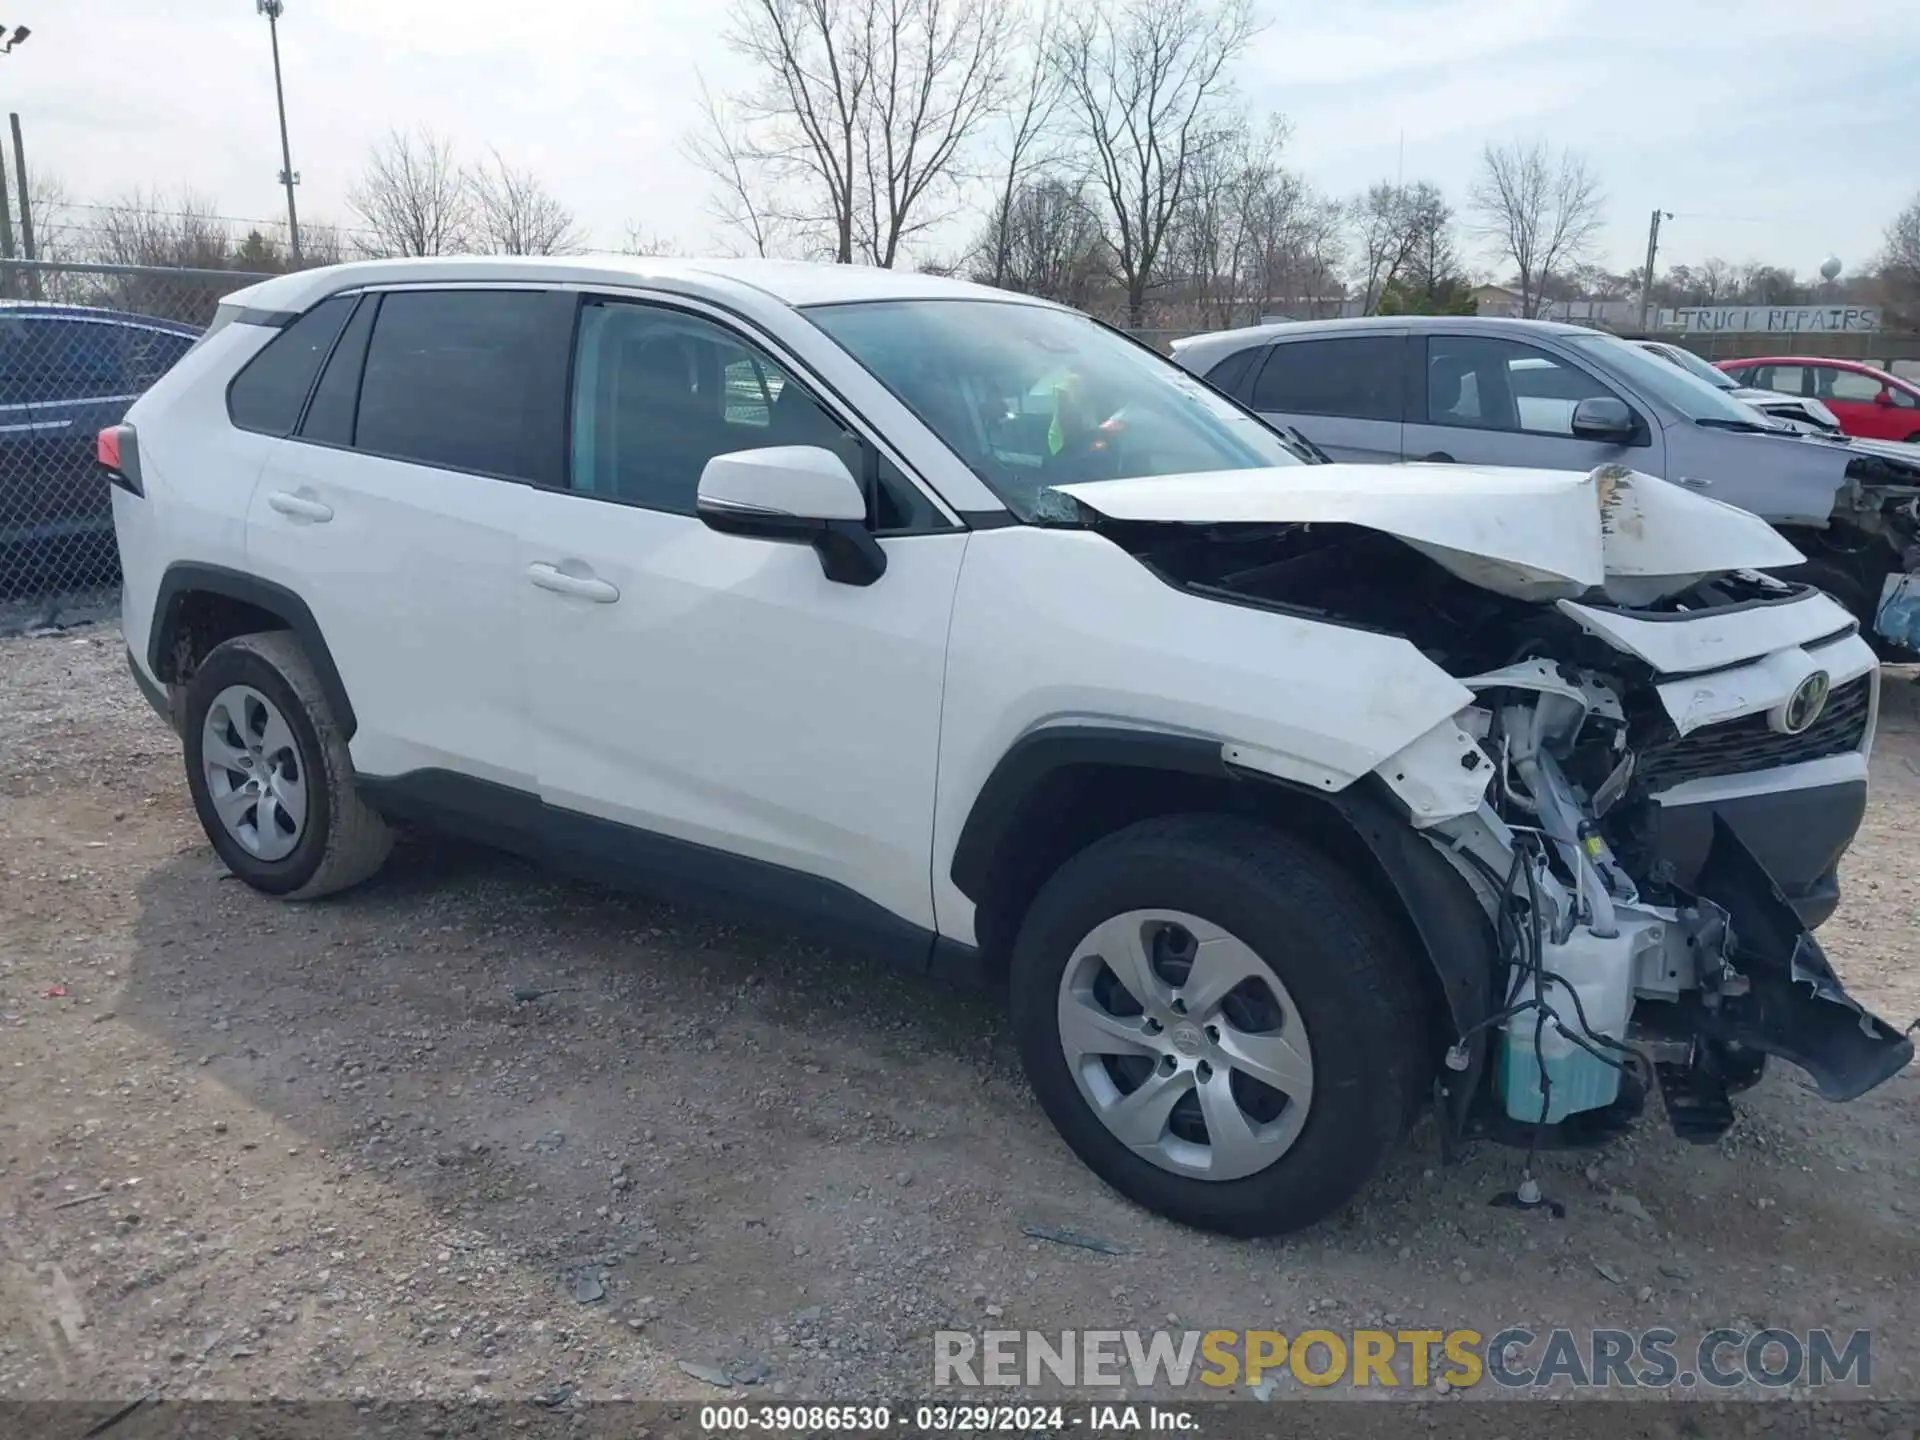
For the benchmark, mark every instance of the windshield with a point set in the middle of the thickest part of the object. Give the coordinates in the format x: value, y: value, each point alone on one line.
x: 1693, y: 398
x: 1031, y: 397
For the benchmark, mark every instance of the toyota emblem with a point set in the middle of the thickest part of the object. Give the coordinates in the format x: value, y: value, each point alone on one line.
x: 1803, y: 707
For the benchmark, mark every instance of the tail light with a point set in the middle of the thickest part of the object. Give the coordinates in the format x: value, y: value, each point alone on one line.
x: 118, y: 453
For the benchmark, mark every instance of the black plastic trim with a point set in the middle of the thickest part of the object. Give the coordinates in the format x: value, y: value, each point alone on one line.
x: 996, y: 809
x: 153, y: 694
x: 270, y: 319
x: 677, y: 870
x: 189, y: 577
x: 988, y: 519
x: 849, y: 554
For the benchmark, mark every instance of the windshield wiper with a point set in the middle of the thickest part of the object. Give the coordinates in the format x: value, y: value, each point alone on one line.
x: 1743, y: 427
x: 1310, y: 450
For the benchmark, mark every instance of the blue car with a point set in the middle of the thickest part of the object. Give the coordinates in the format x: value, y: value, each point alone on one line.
x: 67, y: 371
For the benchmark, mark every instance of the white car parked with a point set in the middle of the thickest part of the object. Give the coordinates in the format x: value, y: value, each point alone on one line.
x: 1285, y: 798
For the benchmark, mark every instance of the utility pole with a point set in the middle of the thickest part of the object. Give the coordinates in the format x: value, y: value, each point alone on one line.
x: 1653, y: 250
x: 27, y: 249
x: 273, y: 9
x: 9, y: 282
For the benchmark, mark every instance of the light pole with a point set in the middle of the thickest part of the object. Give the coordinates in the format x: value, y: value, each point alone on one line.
x: 272, y: 10
x: 1653, y: 251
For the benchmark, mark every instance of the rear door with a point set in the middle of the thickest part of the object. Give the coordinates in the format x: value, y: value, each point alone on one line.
x: 1344, y: 393
x: 1488, y: 400
x: 394, y: 511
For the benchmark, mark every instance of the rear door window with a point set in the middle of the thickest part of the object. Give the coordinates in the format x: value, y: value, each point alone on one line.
x: 336, y: 399
x: 470, y: 380
x: 1355, y: 377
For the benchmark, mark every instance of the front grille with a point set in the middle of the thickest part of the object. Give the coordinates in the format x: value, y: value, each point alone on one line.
x: 1747, y: 744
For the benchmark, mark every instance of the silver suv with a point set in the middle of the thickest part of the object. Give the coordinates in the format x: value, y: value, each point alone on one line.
x: 1538, y: 394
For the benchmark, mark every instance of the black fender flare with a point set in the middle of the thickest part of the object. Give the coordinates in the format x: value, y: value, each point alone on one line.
x: 186, y: 577
x: 1441, y: 911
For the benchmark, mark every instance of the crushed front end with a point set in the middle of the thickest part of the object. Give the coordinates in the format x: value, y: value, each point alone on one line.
x: 1615, y: 852
x: 1665, y: 792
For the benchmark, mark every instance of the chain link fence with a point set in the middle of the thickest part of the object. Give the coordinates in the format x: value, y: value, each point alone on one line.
x: 79, y: 343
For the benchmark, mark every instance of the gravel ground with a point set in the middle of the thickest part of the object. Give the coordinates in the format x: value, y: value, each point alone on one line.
x: 248, y: 1148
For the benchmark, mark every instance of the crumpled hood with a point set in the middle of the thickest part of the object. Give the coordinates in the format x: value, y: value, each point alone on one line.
x: 1531, y: 534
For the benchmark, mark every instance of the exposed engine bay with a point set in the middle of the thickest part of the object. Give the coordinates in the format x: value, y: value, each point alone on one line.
x: 1623, y: 961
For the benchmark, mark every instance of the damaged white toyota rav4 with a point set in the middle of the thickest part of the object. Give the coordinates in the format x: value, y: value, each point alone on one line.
x: 1285, y: 798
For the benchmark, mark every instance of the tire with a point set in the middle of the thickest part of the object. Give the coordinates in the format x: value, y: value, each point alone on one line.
x: 1350, y: 987
x: 338, y: 841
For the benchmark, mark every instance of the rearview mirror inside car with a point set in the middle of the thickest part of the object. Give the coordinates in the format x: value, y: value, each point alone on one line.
x: 1603, y: 417
x: 799, y: 494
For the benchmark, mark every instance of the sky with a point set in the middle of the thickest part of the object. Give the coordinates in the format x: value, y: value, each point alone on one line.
x: 1775, y: 130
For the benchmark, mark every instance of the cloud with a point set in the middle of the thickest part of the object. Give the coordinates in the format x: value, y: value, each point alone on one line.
x: 1778, y: 129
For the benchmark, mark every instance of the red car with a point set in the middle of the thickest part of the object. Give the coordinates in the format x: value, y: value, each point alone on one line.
x: 1868, y: 402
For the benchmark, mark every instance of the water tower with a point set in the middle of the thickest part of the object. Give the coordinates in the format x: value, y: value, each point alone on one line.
x: 1830, y: 269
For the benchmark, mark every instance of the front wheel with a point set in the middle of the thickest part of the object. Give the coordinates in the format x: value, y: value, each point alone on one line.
x: 1219, y: 1022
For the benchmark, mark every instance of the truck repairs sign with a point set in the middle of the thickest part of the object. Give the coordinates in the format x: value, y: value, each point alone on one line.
x: 1776, y: 319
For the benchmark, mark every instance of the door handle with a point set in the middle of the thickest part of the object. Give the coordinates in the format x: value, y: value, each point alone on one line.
x: 584, y: 587
x: 300, y: 507
x: 1696, y: 482
x: 1438, y: 457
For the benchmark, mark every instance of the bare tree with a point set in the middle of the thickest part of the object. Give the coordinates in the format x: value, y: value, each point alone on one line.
x: 642, y: 241
x: 514, y: 214
x: 1032, y: 104
x: 413, y: 197
x: 1390, y: 221
x: 1047, y: 241
x: 855, y: 132
x: 321, y: 243
x: 1899, y: 277
x: 1145, y: 79
x: 1237, y: 225
x: 1902, y: 258
x: 1541, y: 210
x: 747, y: 201
x: 148, y: 228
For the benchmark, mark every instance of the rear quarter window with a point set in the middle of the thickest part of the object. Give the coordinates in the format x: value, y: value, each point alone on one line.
x: 271, y: 389
x: 1230, y: 375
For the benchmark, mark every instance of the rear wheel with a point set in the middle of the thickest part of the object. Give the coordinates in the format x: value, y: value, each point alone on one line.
x: 270, y: 775
x: 1219, y: 1022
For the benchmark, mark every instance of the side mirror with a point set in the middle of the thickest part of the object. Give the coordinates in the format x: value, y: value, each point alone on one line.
x: 799, y: 494
x: 1884, y: 398
x: 1602, y: 417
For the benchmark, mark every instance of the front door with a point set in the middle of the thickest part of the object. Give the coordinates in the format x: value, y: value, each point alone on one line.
x: 1864, y: 404
x: 1487, y: 400
x: 711, y: 709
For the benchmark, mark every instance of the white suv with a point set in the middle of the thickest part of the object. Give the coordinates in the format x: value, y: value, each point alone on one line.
x: 1285, y: 798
